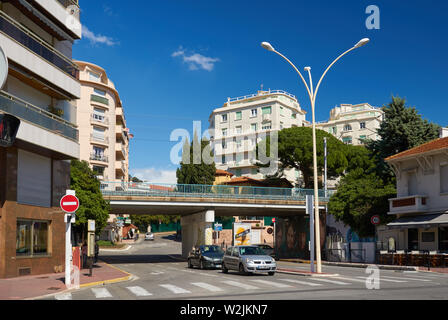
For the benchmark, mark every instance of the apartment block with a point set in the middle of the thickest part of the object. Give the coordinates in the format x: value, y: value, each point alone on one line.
x: 352, y: 124
x: 241, y: 123
x: 104, y: 136
x: 41, y: 89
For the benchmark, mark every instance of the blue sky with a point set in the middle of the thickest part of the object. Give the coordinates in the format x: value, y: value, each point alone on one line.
x: 173, y: 62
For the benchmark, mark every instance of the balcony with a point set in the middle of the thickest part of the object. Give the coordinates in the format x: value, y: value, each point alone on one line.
x: 408, y: 204
x: 98, y: 157
x: 24, y: 37
x: 37, y: 116
x: 120, y: 151
x: 120, y: 169
x: 99, y: 99
x: 97, y: 119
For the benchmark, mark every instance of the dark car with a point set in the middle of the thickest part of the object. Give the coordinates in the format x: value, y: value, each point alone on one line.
x: 205, y: 257
x: 268, y: 250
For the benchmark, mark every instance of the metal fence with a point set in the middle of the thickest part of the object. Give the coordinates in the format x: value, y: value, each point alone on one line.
x: 207, y: 191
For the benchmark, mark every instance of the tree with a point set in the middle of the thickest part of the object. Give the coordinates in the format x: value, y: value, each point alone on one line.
x: 195, y: 167
x: 143, y: 221
x: 295, y: 150
x: 92, y: 206
x: 403, y: 128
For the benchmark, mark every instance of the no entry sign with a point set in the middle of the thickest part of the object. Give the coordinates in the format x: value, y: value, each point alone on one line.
x: 375, y: 220
x: 69, y: 203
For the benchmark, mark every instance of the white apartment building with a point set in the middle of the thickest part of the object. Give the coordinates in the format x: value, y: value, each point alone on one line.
x: 41, y: 89
x: 353, y: 123
x: 103, y: 134
x: 243, y: 122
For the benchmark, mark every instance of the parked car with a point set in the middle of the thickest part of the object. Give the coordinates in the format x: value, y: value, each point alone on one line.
x: 205, y: 257
x: 248, y: 259
x: 149, y: 236
x: 268, y: 250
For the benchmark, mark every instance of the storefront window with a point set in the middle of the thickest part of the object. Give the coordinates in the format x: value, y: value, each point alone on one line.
x: 443, y: 239
x: 31, y: 238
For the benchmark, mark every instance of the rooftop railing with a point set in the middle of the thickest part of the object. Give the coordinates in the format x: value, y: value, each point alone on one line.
x: 67, y: 3
x: 28, y: 112
x: 262, y: 93
x: 146, y: 189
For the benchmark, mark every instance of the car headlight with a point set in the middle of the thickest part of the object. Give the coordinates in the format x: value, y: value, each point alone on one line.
x: 249, y: 261
x: 207, y: 258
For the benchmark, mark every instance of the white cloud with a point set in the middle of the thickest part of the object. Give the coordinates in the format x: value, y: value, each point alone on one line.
x: 154, y: 175
x: 196, y: 61
x: 97, y: 38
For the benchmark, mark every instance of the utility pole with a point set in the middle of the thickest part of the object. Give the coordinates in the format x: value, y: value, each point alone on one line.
x: 325, y: 166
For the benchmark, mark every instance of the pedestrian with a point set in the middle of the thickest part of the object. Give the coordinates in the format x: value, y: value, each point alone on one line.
x: 84, y: 254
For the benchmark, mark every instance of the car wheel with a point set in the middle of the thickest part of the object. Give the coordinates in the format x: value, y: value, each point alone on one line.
x: 224, y: 269
x: 202, y: 265
x: 271, y: 273
x: 190, y: 265
x: 242, y: 269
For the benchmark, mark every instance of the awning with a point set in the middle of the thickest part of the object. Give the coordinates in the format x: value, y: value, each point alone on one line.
x: 422, y: 221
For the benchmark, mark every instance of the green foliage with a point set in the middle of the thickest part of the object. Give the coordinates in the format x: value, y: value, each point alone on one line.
x: 143, y: 221
x: 92, y: 206
x: 193, y: 169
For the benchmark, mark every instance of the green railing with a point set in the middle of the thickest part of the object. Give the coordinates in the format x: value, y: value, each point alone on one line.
x: 206, y: 191
x: 99, y: 99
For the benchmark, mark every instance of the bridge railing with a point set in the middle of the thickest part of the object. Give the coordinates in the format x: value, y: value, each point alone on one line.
x: 206, y: 191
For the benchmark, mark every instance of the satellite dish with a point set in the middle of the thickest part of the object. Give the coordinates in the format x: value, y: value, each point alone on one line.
x: 3, y: 68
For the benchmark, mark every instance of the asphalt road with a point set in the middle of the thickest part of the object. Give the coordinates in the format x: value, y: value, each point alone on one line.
x: 160, y: 273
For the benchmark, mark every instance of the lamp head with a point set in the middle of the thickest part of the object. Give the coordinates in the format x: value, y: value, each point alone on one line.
x: 362, y: 42
x: 267, y: 46
x: 307, y: 68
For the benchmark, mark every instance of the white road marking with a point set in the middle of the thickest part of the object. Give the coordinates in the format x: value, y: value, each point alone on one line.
x: 301, y: 282
x: 405, y: 278
x: 101, y: 293
x: 139, y: 291
x: 272, y: 283
x: 349, y: 279
x: 330, y: 281
x: 239, y: 285
x: 207, y: 286
x: 386, y: 280
x: 174, y: 289
x: 63, y: 296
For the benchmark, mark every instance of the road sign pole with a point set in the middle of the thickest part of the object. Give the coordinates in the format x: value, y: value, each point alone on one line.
x: 68, y: 244
x: 310, y: 212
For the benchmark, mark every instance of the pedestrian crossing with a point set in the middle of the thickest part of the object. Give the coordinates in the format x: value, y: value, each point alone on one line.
x: 225, y: 284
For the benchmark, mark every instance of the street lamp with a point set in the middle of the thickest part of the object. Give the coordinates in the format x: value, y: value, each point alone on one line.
x: 312, y: 93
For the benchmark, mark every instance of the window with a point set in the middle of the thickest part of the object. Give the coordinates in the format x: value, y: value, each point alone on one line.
x: 224, y: 132
x: 412, y: 183
x: 224, y: 118
x: 239, y: 144
x: 238, y: 115
x: 254, y: 171
x: 98, y: 170
x: 335, y: 130
x: 347, y: 127
x: 94, y: 76
x: 253, y: 127
x: 223, y: 159
x: 412, y: 239
x: 281, y: 125
x: 99, y: 133
x: 444, y: 179
x: 362, y: 125
x: 238, y: 172
x: 266, y: 110
x: 99, y: 114
x: 31, y: 238
x: 253, y: 112
x: 362, y: 138
x: 428, y: 236
x: 99, y: 92
x: 223, y: 144
x: 282, y: 113
x: 267, y: 126
x: 238, y: 130
x: 293, y: 116
x: 347, y: 140
x: 239, y: 158
x: 443, y: 239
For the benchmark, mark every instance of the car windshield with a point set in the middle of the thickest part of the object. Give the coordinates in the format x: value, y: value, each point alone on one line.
x: 253, y: 251
x: 211, y: 249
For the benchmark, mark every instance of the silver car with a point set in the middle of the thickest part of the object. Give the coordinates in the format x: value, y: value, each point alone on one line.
x: 248, y: 259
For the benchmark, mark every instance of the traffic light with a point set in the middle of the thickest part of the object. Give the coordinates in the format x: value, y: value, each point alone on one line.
x: 9, y: 125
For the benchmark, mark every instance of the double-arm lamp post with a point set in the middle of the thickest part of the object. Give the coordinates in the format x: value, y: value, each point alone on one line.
x: 312, y: 93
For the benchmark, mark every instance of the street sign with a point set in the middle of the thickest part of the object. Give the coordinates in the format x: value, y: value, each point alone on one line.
x: 69, y: 203
x: 218, y: 227
x: 270, y: 231
x: 273, y: 220
x: 375, y: 220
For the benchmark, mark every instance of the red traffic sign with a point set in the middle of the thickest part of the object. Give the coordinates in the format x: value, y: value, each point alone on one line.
x: 273, y: 220
x: 69, y: 203
x: 375, y: 220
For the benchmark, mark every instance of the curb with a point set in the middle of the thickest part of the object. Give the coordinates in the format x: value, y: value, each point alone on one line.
x: 351, y: 265
x: 307, y: 274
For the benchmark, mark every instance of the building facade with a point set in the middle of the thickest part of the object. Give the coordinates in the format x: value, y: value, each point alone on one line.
x: 352, y: 124
x: 103, y: 134
x: 241, y: 123
x: 421, y: 205
x: 41, y: 89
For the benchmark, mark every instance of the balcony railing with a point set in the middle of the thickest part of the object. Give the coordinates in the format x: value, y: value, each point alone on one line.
x: 408, y: 204
x: 99, y: 99
x: 28, y: 112
x: 207, y: 191
x: 20, y: 34
x: 100, y: 119
x: 98, y: 157
x: 67, y: 3
x: 262, y: 93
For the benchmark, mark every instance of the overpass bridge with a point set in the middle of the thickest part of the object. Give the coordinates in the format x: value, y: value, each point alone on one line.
x: 199, y: 204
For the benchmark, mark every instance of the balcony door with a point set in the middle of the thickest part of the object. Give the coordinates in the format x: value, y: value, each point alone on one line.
x: 412, y: 183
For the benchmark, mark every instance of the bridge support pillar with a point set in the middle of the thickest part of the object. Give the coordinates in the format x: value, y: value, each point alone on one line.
x: 197, y: 229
